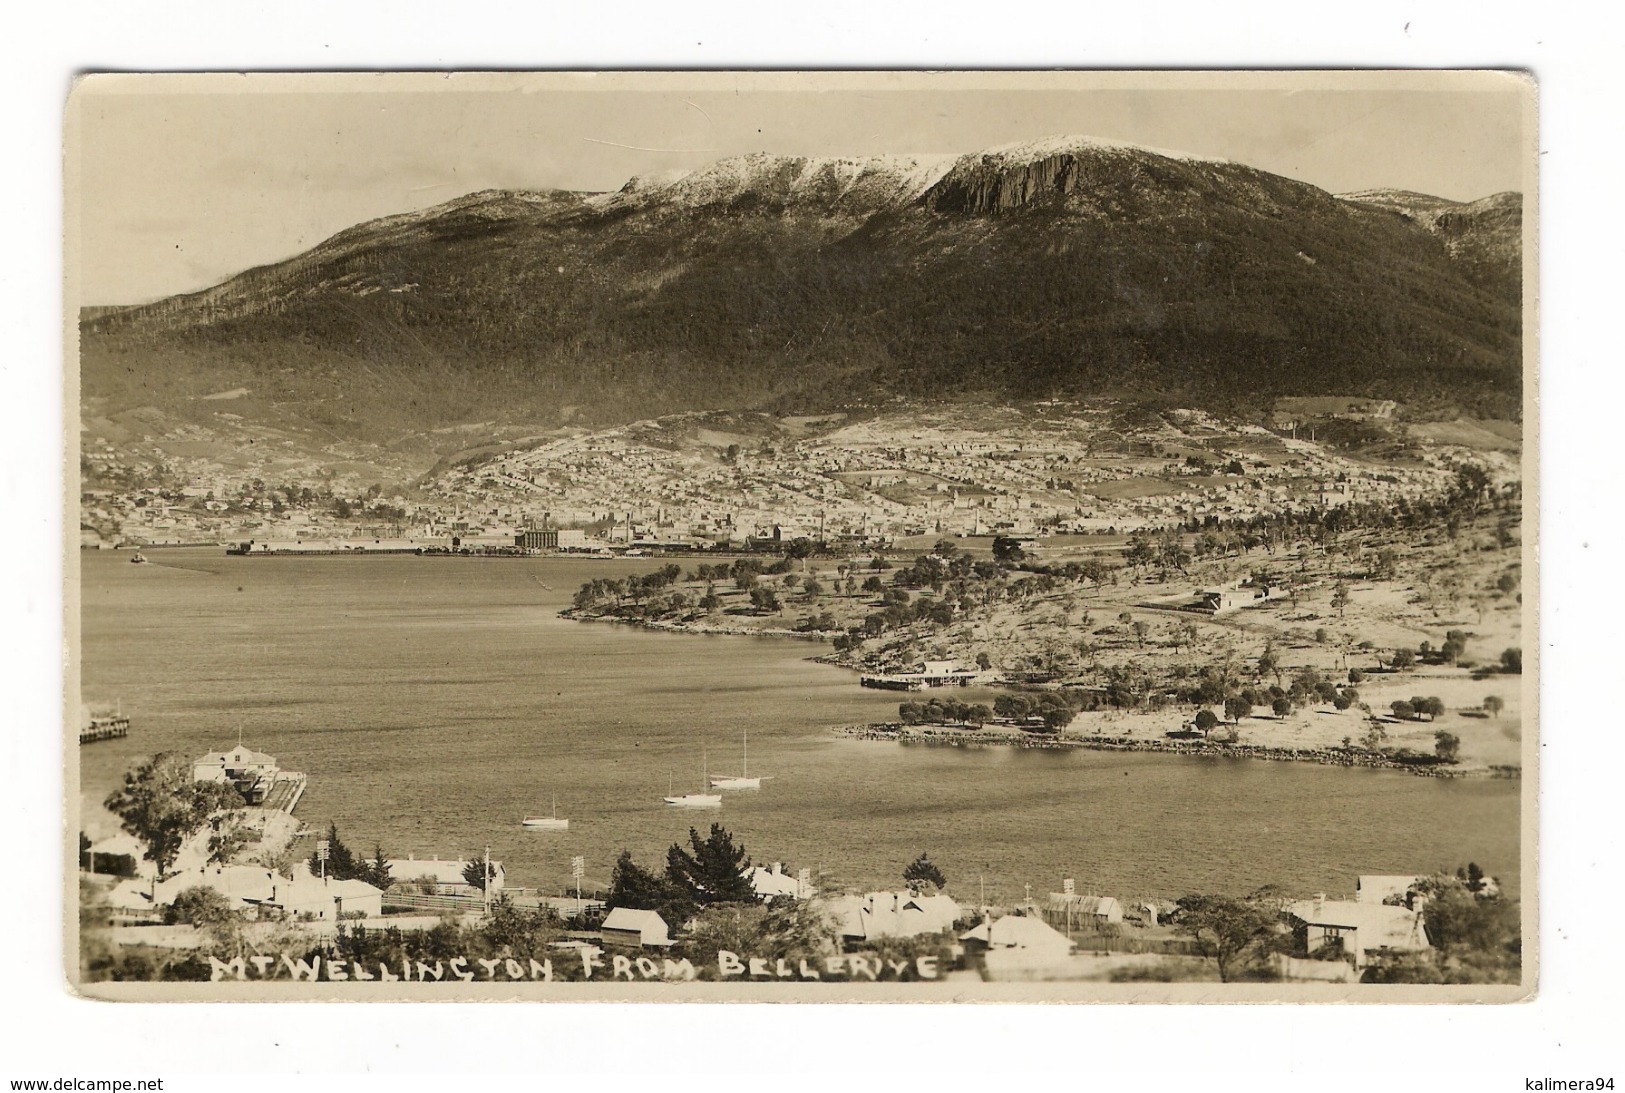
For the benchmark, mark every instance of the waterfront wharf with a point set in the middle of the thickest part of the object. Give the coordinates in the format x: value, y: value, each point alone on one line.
x: 285, y: 792
x: 104, y: 728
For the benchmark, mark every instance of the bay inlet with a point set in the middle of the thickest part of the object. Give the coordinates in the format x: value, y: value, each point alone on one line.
x: 435, y: 701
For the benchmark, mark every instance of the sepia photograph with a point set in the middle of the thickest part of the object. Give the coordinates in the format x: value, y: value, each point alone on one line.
x: 802, y: 536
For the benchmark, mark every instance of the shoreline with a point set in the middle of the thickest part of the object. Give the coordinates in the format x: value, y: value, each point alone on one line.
x: 672, y: 627
x: 1333, y: 757
x: 943, y: 736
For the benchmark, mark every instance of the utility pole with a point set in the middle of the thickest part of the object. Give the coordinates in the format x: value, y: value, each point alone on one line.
x: 485, y: 889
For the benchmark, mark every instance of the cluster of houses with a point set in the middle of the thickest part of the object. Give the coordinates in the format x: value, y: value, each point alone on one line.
x: 645, y: 486
x: 1044, y: 939
x: 865, y: 482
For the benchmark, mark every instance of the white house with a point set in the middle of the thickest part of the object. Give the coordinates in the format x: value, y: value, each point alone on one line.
x: 632, y: 928
x: 1360, y: 928
x: 1069, y: 908
x: 893, y: 914
x: 774, y: 882
x: 445, y: 874
x: 308, y: 896
x: 266, y: 894
x: 1032, y: 936
x: 240, y: 764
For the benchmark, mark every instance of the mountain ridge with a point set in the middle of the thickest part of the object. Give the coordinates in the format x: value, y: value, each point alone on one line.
x: 1053, y: 266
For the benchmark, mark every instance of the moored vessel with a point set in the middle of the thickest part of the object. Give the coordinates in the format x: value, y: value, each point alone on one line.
x: 742, y: 780
x: 552, y: 822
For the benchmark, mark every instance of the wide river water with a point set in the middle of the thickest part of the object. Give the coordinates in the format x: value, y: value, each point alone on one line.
x: 435, y: 701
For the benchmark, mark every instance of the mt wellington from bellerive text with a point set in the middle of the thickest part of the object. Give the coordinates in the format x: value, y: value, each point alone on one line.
x: 1124, y: 450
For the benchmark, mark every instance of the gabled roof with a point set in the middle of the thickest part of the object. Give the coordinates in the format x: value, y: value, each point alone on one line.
x: 769, y: 883
x: 439, y: 870
x: 1083, y: 905
x: 239, y: 754
x: 894, y: 914
x: 1018, y: 932
x: 647, y: 924
x: 249, y: 883
x: 1379, y: 926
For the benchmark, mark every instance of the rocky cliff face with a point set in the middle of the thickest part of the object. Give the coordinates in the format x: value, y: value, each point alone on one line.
x: 1087, y: 177
x: 1484, y: 236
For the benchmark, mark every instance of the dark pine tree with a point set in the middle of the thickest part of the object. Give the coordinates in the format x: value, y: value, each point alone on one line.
x: 921, y: 869
x: 712, y: 870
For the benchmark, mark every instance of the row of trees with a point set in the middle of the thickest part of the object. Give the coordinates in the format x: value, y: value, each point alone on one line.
x: 944, y: 712
x: 1055, y: 708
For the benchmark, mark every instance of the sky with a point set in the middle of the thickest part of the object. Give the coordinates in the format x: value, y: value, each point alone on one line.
x: 183, y: 181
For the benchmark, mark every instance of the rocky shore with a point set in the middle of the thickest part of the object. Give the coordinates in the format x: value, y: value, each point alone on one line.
x: 696, y: 626
x: 1337, y: 757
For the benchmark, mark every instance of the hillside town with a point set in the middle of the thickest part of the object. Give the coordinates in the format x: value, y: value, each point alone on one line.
x: 724, y: 481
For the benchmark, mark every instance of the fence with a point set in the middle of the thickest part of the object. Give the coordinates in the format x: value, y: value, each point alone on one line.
x: 396, y: 900
x: 1092, y: 942
x: 566, y: 907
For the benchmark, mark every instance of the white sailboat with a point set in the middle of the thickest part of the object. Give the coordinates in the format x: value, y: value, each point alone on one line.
x: 742, y: 780
x: 693, y: 800
x: 547, y: 823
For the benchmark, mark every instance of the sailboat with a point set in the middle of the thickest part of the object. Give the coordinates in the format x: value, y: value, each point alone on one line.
x: 742, y: 780
x: 547, y: 823
x: 694, y: 800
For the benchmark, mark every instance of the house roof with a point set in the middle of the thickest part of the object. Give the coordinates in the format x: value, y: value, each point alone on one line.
x: 894, y: 914
x: 249, y: 883
x: 254, y: 884
x: 439, y: 870
x: 306, y: 890
x: 769, y: 883
x: 239, y: 754
x: 1378, y: 925
x: 130, y: 895
x: 648, y: 924
x: 1018, y: 932
x: 1084, y: 905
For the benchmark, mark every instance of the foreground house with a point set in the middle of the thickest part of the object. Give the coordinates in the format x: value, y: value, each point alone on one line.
x: 444, y: 875
x: 893, y: 914
x: 1035, y: 939
x: 775, y: 882
x: 1359, y: 929
x: 628, y: 928
x: 249, y: 772
x: 264, y: 894
x: 1069, y: 910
